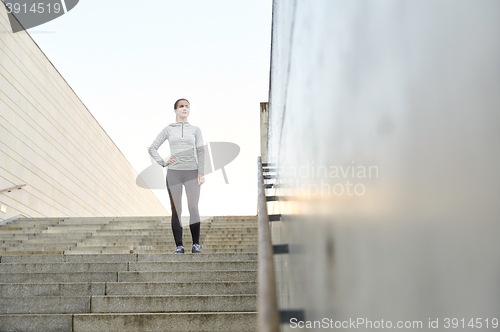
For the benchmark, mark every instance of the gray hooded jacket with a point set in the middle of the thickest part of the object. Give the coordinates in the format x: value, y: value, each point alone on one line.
x: 183, y: 138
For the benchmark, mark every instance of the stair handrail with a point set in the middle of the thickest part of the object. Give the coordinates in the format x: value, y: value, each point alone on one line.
x: 268, y: 316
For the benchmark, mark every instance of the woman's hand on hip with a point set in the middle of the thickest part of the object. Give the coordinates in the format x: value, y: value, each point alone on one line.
x: 170, y: 161
x: 201, y: 179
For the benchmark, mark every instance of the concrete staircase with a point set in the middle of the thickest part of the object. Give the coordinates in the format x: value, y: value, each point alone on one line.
x: 119, y: 274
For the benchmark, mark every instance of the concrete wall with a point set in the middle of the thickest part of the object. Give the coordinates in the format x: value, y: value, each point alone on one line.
x: 264, y: 117
x: 53, y: 144
x: 408, y: 90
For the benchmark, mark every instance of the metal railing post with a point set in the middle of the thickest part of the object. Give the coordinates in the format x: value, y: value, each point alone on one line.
x: 268, y: 316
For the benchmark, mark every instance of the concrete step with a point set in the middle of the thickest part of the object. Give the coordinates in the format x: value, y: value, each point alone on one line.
x: 225, y: 236
x: 111, y: 250
x: 13, y: 236
x: 196, y: 257
x: 177, y: 276
x: 172, y: 303
x: 30, y: 223
x: 247, y: 275
x: 62, y: 267
x: 107, y: 251
x: 133, y: 322
x: 225, y: 250
x: 172, y: 322
x: 41, y: 239
x: 45, y: 305
x: 63, y: 240
x: 229, y: 246
x: 115, y: 238
x: 126, y: 304
x: 148, y: 249
x: 80, y: 225
x: 68, y: 236
x: 223, y: 231
x: 120, y: 232
x: 166, y: 244
x: 100, y: 247
x: 27, y: 231
x: 232, y: 228
x: 128, y: 288
x: 35, y: 248
x: 235, y: 239
x: 121, y: 273
x: 17, y: 278
x: 125, y: 266
x: 168, y: 228
x: 32, y: 252
x: 249, y: 217
x: 8, y: 227
x: 85, y: 219
x: 188, y: 245
x: 211, y: 237
x: 93, y: 244
x: 44, y: 243
x: 181, y: 288
x: 193, y: 266
x: 99, y: 258
x: 189, y: 253
x: 53, y: 289
x: 130, y: 227
x: 69, y: 258
x: 10, y: 241
x: 72, y: 229
x: 101, y: 250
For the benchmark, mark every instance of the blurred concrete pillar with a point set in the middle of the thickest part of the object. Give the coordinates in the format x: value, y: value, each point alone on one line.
x: 385, y: 125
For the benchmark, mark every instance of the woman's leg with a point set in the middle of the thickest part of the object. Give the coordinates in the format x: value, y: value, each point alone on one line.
x: 193, y: 196
x: 174, y: 187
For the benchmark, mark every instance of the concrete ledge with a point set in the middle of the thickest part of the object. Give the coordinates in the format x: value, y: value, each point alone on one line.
x: 44, y: 305
x: 54, y: 289
x: 30, y: 252
x: 99, y: 258
x: 16, y: 278
x: 145, y: 257
x: 192, y: 266
x: 187, y: 276
x: 172, y: 303
x: 171, y: 322
x: 192, y: 258
x: 62, y: 267
x: 181, y: 288
x: 36, y: 323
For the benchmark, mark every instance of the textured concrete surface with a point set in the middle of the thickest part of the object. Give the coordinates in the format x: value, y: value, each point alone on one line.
x: 412, y: 89
x: 131, y: 291
x: 180, y: 322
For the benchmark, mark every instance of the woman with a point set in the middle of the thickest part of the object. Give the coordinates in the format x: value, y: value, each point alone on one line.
x: 183, y: 170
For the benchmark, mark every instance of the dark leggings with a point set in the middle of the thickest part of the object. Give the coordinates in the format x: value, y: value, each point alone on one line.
x: 175, y: 180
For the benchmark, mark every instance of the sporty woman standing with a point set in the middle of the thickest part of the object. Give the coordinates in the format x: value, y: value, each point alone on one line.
x: 183, y: 170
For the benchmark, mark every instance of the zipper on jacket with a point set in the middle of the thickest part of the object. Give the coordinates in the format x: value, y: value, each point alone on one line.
x: 183, y: 130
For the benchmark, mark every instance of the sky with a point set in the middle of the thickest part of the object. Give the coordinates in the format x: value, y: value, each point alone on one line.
x: 129, y: 61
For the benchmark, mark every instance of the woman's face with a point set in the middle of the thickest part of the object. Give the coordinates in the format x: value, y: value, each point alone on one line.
x: 182, y: 110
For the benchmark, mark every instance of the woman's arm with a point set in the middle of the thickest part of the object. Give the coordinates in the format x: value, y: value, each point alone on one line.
x: 200, y: 151
x: 153, y: 149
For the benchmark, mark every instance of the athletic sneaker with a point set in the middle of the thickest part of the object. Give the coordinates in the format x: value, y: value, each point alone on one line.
x: 179, y: 250
x: 196, y: 249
